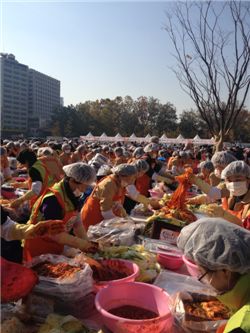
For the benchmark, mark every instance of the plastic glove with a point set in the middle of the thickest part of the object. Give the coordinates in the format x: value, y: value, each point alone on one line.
x: 198, y: 200
x: 142, y: 199
x: 203, y: 186
x: 215, y: 211
x: 46, y: 228
x: 16, y: 203
x: 164, y: 179
x: 43, y: 228
x: 154, y: 203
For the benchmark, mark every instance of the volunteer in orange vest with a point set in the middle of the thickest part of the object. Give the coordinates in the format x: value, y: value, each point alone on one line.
x: 235, y: 195
x: 39, y: 178
x: 218, y: 189
x: 66, y: 156
x: 235, y: 207
x: 79, y: 154
x: 61, y: 202
x: 52, y: 162
x: 150, y: 156
x: 106, y: 200
x: 138, y: 191
x: 206, y: 168
x: 136, y: 155
x: 119, y: 156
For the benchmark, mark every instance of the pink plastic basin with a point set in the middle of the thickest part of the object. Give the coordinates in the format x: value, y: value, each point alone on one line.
x: 135, y: 294
x: 169, y: 261
x: 126, y: 266
x: 191, y: 267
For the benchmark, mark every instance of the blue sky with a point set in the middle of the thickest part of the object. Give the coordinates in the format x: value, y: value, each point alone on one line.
x: 96, y: 50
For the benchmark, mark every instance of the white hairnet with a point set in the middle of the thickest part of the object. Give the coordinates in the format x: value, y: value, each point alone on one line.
x: 183, y: 154
x: 81, y: 172
x: 66, y: 146
x: 81, y: 148
x: 141, y: 165
x: 104, y: 170
x: 222, y: 158
x: 118, y: 151
x: 216, y: 244
x: 44, y: 151
x: 151, y: 147
x: 138, y: 152
x: 206, y: 165
x: 236, y: 168
x: 124, y: 170
x: 100, y: 159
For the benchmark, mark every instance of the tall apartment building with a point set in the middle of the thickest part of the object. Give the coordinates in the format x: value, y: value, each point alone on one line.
x: 27, y: 97
x: 14, y: 85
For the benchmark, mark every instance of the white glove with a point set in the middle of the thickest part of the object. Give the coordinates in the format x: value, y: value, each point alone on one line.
x: 132, y: 192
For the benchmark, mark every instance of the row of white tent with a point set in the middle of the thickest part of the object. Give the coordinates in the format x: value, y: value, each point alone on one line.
x: 133, y: 138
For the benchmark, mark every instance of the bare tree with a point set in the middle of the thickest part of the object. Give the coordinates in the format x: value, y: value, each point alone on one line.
x: 212, y: 48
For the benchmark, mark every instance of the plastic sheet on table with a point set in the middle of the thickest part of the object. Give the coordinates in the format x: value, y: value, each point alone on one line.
x: 174, y: 283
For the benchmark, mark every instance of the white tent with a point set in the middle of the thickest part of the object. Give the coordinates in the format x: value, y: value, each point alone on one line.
x: 163, y: 137
x: 197, y: 137
x: 180, y: 137
x: 104, y: 137
x: 118, y: 136
x: 147, y: 137
x: 89, y: 135
x: 133, y: 136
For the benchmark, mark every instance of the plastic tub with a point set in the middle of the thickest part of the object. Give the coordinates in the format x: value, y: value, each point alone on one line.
x: 126, y: 266
x: 169, y: 261
x: 192, y: 268
x: 135, y: 294
x: 20, y: 179
x: 8, y: 192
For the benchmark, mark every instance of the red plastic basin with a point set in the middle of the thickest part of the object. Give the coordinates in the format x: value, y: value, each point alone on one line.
x: 125, y: 266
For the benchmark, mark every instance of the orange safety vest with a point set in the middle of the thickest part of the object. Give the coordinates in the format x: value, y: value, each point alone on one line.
x: 91, y: 210
x: 40, y: 245
x: 47, y: 180
x: 241, y: 209
x: 54, y: 167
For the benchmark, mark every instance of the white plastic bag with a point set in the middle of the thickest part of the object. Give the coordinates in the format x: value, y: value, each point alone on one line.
x: 67, y: 289
x: 116, y: 231
x: 174, y: 283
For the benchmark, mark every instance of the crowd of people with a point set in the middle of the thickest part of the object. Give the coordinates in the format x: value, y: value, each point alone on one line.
x: 78, y: 184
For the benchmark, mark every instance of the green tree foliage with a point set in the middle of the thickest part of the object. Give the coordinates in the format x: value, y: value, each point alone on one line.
x: 191, y: 124
x: 141, y: 116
